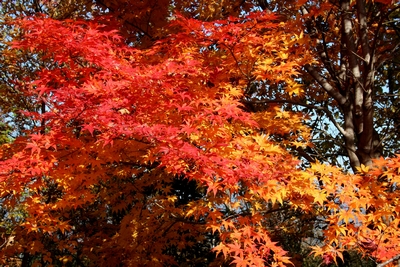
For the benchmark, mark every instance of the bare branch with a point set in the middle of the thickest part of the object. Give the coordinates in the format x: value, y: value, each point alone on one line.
x: 326, y: 85
x: 397, y: 257
x: 351, y: 49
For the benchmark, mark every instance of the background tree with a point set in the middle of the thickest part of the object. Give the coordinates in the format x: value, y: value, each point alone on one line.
x: 351, y: 88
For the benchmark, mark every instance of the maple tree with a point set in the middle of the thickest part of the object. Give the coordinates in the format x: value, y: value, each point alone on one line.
x: 203, y: 136
x: 148, y: 146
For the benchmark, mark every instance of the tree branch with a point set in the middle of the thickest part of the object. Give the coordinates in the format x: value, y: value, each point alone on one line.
x: 328, y: 62
x: 325, y: 85
x: 324, y: 109
x: 389, y: 261
x: 348, y: 37
x: 126, y: 21
x: 363, y: 34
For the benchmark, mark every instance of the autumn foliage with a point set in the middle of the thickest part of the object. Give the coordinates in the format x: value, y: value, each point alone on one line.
x: 123, y: 131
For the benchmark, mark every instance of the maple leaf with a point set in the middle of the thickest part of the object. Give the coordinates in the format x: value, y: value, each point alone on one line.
x: 34, y: 147
x: 89, y: 127
x: 240, y: 261
x: 236, y: 249
x: 320, y: 197
x: 222, y: 248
